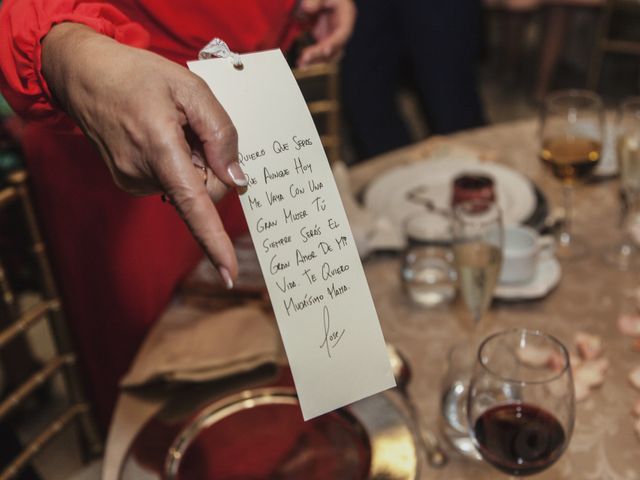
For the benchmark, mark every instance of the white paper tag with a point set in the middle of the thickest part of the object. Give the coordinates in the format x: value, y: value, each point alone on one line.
x: 315, y: 279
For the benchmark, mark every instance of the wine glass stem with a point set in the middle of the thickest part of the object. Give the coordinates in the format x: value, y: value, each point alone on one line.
x: 565, y: 232
x: 476, y: 330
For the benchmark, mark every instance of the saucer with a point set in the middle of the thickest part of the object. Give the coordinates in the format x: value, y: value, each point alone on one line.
x: 545, y: 279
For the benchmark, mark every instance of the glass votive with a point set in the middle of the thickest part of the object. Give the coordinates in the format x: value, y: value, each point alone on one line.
x: 428, y: 275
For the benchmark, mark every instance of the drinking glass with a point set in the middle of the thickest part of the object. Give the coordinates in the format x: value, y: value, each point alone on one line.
x: 625, y: 254
x: 521, y: 413
x: 477, y: 234
x: 571, y: 134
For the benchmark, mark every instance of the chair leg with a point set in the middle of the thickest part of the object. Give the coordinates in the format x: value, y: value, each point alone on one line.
x: 554, y: 37
x: 595, y: 66
x: 514, y: 26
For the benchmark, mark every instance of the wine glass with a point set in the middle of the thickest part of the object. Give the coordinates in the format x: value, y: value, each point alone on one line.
x: 477, y: 233
x: 521, y: 412
x: 625, y: 254
x: 571, y: 133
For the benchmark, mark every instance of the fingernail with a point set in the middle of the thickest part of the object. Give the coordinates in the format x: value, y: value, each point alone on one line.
x: 237, y: 175
x: 226, y: 276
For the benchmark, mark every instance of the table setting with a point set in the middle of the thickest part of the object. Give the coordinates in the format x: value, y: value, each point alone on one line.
x: 500, y: 329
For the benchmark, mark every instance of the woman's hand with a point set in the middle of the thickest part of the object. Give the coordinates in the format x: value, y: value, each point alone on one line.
x: 151, y: 120
x: 332, y: 24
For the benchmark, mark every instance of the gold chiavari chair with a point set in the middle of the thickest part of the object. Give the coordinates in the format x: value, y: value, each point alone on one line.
x: 63, y: 362
x: 319, y: 85
x: 606, y: 43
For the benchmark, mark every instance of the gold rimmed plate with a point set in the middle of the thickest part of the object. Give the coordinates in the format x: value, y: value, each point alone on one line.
x: 257, y: 432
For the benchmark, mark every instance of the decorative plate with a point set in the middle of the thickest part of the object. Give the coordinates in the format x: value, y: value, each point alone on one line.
x: 258, y: 432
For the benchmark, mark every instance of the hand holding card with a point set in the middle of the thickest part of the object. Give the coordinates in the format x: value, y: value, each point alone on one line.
x: 317, y: 286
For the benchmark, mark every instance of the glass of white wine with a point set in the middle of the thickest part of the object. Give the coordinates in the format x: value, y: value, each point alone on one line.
x: 625, y: 255
x: 571, y: 134
x: 477, y: 247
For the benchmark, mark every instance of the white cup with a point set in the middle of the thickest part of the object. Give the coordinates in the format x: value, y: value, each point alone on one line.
x: 522, y: 249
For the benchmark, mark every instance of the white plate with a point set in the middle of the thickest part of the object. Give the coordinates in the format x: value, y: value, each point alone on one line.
x: 547, y: 276
x: 387, y: 194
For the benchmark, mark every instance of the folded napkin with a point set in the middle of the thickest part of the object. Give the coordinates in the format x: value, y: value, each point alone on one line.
x: 190, y: 344
x: 370, y: 231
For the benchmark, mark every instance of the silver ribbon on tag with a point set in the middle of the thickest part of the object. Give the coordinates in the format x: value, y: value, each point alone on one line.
x: 217, y: 48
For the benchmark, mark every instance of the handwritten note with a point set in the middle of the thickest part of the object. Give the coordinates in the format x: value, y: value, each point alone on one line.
x: 315, y: 279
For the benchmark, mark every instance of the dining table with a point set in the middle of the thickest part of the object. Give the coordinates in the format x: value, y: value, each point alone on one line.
x: 588, y: 298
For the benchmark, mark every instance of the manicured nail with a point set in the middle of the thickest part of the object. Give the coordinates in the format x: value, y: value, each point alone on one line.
x: 237, y: 175
x: 226, y: 276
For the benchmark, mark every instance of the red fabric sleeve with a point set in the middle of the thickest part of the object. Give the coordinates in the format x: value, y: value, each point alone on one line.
x: 23, y: 24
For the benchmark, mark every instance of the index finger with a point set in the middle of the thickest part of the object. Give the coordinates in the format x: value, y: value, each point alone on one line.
x: 183, y: 184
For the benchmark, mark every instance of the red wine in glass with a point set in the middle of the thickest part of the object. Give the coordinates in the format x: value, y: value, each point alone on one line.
x: 519, y: 439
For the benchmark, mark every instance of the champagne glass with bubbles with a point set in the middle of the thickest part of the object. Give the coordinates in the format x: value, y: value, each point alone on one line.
x: 571, y: 131
x: 625, y: 254
x: 477, y: 234
x: 477, y: 248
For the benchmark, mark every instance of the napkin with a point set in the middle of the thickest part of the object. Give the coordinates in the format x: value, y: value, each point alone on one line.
x: 370, y: 231
x: 189, y: 344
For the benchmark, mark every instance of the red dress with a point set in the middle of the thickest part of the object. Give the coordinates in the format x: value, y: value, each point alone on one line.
x: 117, y: 258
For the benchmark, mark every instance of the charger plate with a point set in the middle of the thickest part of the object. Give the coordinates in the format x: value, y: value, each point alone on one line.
x: 258, y: 432
x: 387, y: 194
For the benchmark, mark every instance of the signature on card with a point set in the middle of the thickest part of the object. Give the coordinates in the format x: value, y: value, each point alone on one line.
x: 331, y: 338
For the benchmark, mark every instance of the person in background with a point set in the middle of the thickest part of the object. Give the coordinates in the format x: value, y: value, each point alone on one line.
x: 436, y: 43
x: 110, y: 77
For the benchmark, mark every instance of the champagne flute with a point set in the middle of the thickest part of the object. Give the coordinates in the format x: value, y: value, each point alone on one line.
x: 625, y: 254
x: 521, y: 413
x: 571, y: 133
x: 477, y: 249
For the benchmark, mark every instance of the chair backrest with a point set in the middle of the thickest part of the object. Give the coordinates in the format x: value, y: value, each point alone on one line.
x: 319, y: 85
x: 605, y: 43
x: 16, y: 322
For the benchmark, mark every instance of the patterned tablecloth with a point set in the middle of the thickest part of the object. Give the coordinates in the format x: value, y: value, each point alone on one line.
x: 588, y: 298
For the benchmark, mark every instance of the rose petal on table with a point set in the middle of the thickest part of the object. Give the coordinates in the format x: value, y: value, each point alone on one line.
x: 589, y: 374
x: 636, y: 408
x: 635, y: 346
x: 634, y: 377
x: 629, y: 324
x: 581, y: 390
x: 556, y: 362
x: 533, y: 356
x: 589, y: 345
x: 601, y: 364
x: 574, y: 360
